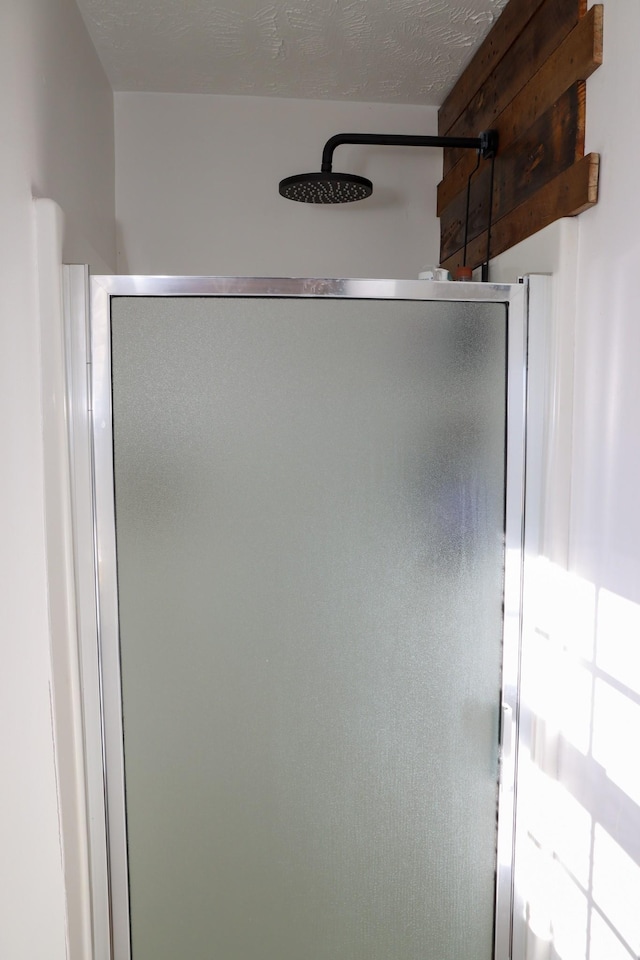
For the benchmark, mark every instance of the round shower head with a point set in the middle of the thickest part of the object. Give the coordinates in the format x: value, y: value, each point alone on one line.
x: 326, y: 188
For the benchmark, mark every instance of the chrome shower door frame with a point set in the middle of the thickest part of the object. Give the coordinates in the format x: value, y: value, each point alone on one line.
x: 112, y: 833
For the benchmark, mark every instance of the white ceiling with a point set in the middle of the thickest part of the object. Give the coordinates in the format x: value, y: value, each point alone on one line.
x: 390, y: 51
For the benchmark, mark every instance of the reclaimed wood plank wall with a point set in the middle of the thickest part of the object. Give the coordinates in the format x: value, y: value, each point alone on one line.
x: 527, y: 81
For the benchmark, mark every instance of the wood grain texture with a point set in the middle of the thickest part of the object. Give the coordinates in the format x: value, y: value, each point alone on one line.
x: 545, y: 31
x: 575, y: 59
x: 505, y: 30
x: 572, y: 192
x: 544, y: 150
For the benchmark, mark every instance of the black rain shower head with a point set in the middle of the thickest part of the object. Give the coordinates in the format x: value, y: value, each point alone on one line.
x: 328, y: 187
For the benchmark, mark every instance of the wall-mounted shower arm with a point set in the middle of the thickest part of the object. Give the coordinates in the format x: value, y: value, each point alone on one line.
x: 486, y: 144
x: 330, y: 187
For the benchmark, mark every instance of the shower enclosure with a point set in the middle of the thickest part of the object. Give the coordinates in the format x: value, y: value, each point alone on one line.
x: 308, y: 528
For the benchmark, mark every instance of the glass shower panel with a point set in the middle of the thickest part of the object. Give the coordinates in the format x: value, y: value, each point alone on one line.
x: 310, y: 542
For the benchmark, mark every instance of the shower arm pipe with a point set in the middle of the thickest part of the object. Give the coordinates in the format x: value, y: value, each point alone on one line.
x: 486, y: 144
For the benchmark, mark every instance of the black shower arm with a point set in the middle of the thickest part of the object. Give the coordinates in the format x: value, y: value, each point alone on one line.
x: 486, y: 143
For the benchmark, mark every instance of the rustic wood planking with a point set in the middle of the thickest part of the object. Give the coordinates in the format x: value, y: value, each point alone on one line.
x: 550, y: 145
x: 507, y: 27
x: 572, y: 192
x: 575, y: 59
x: 545, y: 31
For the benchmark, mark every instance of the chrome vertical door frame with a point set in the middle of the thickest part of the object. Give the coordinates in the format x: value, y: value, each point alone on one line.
x: 103, y: 289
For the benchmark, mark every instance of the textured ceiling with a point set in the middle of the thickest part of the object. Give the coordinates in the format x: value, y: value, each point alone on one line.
x: 393, y: 51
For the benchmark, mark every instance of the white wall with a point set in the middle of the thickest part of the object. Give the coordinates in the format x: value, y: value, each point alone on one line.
x: 604, y: 544
x: 606, y: 525
x: 57, y: 135
x: 197, y: 188
x: 582, y: 658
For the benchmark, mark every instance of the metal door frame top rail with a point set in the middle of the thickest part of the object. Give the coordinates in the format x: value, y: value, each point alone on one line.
x: 104, y: 658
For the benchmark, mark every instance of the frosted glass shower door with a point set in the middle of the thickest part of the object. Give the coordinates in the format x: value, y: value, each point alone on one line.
x: 310, y: 518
